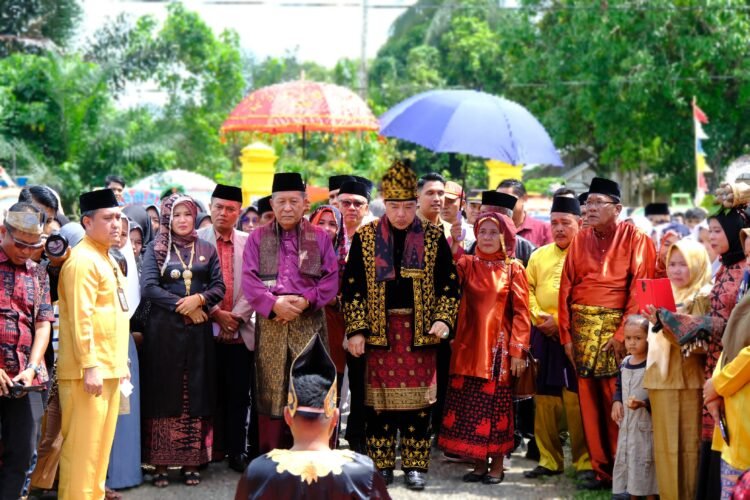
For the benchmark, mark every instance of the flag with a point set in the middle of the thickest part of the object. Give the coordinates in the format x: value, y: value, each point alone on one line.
x: 701, y: 166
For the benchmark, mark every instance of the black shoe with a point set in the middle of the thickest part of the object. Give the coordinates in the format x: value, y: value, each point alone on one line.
x: 585, y: 475
x: 487, y: 479
x: 237, y: 463
x: 414, y: 480
x: 387, y: 475
x: 473, y: 477
x: 539, y: 471
x: 594, y: 484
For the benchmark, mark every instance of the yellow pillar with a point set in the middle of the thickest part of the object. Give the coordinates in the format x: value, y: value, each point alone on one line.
x: 499, y: 171
x: 258, y: 166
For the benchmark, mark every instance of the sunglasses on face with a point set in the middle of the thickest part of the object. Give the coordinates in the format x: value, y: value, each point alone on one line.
x: 352, y: 203
x: 22, y: 245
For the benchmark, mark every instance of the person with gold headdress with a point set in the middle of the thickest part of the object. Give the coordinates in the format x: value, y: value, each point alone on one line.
x: 311, y: 469
x: 400, y: 294
x: 673, y: 381
x: 493, y: 332
x: 597, y: 291
x: 93, y: 348
x: 290, y: 272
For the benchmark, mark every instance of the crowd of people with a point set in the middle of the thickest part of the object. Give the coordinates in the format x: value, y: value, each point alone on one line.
x: 176, y: 335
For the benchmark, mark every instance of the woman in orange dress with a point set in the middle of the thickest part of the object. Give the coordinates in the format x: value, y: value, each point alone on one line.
x: 493, y: 331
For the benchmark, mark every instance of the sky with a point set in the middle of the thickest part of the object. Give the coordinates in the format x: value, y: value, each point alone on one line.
x: 323, y: 34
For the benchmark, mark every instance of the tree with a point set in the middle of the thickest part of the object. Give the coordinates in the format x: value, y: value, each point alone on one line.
x: 36, y: 25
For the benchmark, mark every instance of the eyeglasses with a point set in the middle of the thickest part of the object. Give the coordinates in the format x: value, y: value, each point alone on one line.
x: 598, y: 203
x: 352, y: 203
x: 22, y: 245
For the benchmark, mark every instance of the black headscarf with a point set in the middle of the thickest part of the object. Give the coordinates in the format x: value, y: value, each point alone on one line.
x: 138, y: 214
x: 732, y: 222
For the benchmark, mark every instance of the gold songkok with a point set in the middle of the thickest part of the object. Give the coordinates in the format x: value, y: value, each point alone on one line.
x: 400, y: 182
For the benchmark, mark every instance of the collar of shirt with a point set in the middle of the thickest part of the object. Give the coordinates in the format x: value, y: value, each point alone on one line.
x: 225, y: 240
x: 104, y: 249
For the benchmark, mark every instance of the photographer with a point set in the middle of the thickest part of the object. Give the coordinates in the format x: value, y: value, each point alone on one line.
x: 25, y: 317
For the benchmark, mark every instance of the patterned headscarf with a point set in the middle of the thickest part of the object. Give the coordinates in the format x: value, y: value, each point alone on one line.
x: 339, y: 241
x: 166, y: 237
x: 507, y: 233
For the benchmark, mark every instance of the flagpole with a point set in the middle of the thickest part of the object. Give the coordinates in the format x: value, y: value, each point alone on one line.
x: 696, y: 197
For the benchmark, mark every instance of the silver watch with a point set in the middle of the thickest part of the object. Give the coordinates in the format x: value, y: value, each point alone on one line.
x: 37, y: 368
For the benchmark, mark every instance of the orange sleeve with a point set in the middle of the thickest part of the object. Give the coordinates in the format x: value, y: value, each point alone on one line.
x: 642, y: 266
x: 521, y: 330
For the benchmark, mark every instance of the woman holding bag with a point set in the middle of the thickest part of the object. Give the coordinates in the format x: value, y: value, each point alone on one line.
x: 493, y: 332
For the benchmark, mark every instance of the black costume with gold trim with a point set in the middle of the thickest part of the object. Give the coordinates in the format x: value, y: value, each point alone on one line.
x: 329, y: 474
x: 434, y: 295
x: 395, y: 317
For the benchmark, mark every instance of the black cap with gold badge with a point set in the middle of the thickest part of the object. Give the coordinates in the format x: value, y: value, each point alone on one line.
x: 313, y: 362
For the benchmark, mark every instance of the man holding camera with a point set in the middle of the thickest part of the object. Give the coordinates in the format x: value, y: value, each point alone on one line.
x: 93, y: 352
x: 25, y: 320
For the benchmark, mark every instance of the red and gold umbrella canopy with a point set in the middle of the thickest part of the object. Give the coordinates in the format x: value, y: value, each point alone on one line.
x: 301, y: 106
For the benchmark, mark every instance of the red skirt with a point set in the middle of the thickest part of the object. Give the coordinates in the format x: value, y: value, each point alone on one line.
x: 182, y: 440
x: 477, y: 419
x: 335, y: 326
x: 401, y: 377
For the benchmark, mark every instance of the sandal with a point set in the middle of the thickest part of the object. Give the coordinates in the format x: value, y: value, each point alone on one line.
x: 160, y: 480
x: 473, y: 477
x: 192, y: 478
x: 110, y: 494
x: 493, y: 479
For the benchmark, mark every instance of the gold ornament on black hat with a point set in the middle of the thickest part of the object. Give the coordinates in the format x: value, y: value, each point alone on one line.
x: 400, y: 182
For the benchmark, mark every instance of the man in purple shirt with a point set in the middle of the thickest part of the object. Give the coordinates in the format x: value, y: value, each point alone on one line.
x: 289, y: 274
x: 534, y: 230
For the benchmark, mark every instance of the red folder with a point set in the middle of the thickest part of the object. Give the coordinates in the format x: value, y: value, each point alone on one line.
x: 656, y: 292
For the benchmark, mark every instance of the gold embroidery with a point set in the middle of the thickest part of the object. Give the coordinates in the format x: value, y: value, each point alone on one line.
x: 415, y: 453
x: 310, y: 465
x: 370, y: 313
x: 400, y: 398
x: 382, y: 451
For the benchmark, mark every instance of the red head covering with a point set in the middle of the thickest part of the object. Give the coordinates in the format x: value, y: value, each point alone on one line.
x: 507, y: 231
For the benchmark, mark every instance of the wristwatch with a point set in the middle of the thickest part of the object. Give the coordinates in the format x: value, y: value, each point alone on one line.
x: 37, y: 369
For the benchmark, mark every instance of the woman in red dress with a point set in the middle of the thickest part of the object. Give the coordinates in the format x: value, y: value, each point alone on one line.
x: 493, y: 331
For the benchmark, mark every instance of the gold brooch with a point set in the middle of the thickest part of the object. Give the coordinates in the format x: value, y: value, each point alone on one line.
x: 174, y: 274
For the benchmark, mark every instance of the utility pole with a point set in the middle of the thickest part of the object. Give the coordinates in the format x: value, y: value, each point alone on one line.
x: 363, y: 53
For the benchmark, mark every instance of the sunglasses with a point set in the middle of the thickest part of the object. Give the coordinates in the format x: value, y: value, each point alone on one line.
x: 350, y: 203
x: 22, y: 245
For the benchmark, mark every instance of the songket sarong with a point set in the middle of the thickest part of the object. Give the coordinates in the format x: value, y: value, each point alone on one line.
x: 478, y: 418
x: 592, y: 327
x: 276, y: 347
x: 182, y: 440
x: 401, y: 377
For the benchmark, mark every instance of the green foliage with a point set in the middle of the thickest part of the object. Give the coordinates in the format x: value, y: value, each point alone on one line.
x: 37, y: 25
x: 543, y: 185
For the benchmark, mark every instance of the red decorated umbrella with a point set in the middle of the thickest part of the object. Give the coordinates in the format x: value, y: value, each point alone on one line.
x: 299, y: 107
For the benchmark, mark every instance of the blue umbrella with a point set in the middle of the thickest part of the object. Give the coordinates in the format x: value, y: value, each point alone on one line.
x: 472, y: 123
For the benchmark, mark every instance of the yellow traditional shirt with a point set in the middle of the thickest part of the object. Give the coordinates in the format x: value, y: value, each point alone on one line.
x: 543, y: 272
x: 93, y: 327
x: 732, y: 382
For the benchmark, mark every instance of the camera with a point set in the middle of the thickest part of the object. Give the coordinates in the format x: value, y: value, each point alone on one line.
x: 56, y: 245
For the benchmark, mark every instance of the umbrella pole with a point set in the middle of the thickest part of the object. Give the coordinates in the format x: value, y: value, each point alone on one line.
x: 304, y: 143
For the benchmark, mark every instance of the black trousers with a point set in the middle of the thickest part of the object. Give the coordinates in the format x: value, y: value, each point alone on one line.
x: 416, y: 432
x: 20, y: 425
x: 234, y: 365
x: 355, y: 424
x: 443, y: 376
x: 253, y: 445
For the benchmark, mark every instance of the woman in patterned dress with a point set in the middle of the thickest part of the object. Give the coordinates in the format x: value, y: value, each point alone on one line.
x: 182, y: 279
x: 493, y: 331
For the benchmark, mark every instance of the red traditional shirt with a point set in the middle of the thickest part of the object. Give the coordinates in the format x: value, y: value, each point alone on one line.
x: 536, y: 231
x: 24, y: 300
x: 225, y: 249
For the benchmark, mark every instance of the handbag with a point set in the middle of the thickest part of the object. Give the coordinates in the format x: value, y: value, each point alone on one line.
x: 524, y: 387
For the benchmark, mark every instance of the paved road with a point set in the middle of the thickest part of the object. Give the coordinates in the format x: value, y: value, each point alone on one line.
x: 444, y: 483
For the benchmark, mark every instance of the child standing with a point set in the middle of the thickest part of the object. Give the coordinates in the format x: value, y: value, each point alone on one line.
x: 634, y: 470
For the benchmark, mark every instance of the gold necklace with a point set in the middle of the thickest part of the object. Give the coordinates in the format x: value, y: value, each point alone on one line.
x: 187, y: 273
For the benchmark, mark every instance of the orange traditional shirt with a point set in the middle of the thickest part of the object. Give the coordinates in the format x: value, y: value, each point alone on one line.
x: 493, y: 316
x: 603, y: 272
